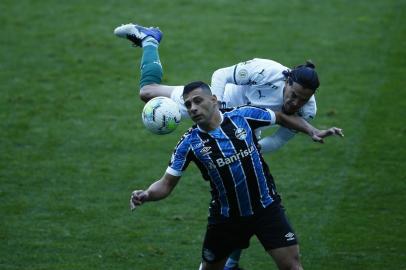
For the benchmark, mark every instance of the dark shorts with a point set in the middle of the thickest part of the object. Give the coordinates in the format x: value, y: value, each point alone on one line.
x: 270, y: 226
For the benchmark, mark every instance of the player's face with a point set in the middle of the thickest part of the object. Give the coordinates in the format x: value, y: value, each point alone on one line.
x: 294, y: 97
x: 200, y: 106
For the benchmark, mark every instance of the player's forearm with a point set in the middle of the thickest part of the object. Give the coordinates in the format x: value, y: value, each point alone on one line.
x: 295, y: 122
x: 274, y: 142
x: 158, y: 191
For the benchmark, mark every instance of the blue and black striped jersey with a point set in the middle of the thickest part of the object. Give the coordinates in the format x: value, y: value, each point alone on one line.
x: 229, y: 158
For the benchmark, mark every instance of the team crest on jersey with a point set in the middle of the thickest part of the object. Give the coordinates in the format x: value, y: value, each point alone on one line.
x: 242, y: 74
x: 241, y: 133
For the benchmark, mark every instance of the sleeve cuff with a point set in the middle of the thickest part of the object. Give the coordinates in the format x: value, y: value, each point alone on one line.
x: 173, y: 172
x: 273, y: 116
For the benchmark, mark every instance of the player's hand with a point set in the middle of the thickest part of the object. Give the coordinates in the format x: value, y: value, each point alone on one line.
x: 319, y: 135
x: 138, y: 197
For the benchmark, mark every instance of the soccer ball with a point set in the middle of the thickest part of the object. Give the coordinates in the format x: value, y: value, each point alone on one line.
x: 161, y: 115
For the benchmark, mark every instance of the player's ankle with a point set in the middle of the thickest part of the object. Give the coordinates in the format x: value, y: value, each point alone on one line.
x: 149, y: 41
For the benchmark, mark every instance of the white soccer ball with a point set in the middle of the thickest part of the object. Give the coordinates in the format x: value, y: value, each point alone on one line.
x: 161, y: 115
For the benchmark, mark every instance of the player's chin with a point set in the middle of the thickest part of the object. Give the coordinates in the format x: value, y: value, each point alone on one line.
x: 198, y: 119
x: 289, y: 111
x: 286, y: 109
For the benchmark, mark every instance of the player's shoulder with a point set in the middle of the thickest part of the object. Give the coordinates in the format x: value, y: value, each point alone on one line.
x: 266, y: 68
x: 269, y: 63
x: 309, y: 110
x: 185, y: 138
x: 244, y: 110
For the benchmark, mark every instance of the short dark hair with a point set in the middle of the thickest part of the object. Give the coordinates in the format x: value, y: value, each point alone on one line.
x: 305, y: 75
x: 194, y: 85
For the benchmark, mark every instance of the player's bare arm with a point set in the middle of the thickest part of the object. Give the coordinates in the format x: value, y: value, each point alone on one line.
x: 156, y: 191
x: 299, y: 124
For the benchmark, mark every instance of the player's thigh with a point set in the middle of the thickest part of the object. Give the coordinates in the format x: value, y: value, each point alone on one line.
x: 286, y: 257
x: 222, y: 238
x: 150, y: 91
x: 273, y: 229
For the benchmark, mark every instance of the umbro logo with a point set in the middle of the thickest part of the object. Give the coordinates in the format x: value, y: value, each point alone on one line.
x: 205, y: 150
x: 290, y: 236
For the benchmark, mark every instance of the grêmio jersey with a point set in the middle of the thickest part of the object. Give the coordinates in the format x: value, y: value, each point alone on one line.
x: 228, y: 157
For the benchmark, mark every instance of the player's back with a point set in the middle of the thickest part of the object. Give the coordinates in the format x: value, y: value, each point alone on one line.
x: 259, y: 82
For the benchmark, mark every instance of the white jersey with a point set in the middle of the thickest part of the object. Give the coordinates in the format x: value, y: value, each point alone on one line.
x: 258, y: 82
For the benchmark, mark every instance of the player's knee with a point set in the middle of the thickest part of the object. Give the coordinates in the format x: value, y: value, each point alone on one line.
x: 146, y: 93
x: 292, y: 263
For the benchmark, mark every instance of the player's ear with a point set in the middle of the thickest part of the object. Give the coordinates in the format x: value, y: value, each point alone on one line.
x: 214, y: 98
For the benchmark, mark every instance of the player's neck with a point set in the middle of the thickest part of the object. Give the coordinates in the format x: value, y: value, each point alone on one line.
x: 214, y: 122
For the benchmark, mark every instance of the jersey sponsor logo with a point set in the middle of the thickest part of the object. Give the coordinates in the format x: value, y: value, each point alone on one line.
x: 228, y: 160
x: 240, y: 133
x: 290, y: 236
x: 211, y: 165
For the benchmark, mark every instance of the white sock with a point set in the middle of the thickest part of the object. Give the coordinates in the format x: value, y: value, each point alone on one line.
x: 231, y: 263
x: 149, y: 41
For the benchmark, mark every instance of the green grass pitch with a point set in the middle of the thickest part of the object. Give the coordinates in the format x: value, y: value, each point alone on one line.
x: 72, y: 145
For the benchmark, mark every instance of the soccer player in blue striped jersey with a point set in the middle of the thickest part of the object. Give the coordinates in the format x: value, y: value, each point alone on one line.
x: 244, y: 198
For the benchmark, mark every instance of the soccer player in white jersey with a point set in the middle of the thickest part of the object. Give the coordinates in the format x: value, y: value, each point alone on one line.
x: 258, y: 82
x: 268, y: 84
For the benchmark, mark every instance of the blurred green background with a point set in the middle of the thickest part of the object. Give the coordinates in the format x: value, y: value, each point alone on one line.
x: 73, y: 146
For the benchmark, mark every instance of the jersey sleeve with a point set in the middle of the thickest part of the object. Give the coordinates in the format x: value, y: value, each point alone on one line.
x: 219, y: 79
x: 257, y: 117
x: 253, y: 72
x: 276, y: 140
x: 181, y: 157
x: 256, y: 71
x: 309, y: 110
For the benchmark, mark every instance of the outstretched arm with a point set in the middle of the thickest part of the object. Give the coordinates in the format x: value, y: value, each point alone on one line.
x: 279, y: 138
x: 157, y: 191
x: 299, y: 124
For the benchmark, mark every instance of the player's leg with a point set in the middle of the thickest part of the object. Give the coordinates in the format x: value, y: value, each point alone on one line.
x: 152, y: 72
x: 234, y: 95
x: 151, y: 68
x: 213, y: 266
x: 233, y: 260
x: 220, y: 240
x: 278, y: 238
x: 286, y: 257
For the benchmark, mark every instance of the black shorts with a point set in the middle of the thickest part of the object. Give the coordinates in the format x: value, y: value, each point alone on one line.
x: 270, y: 226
